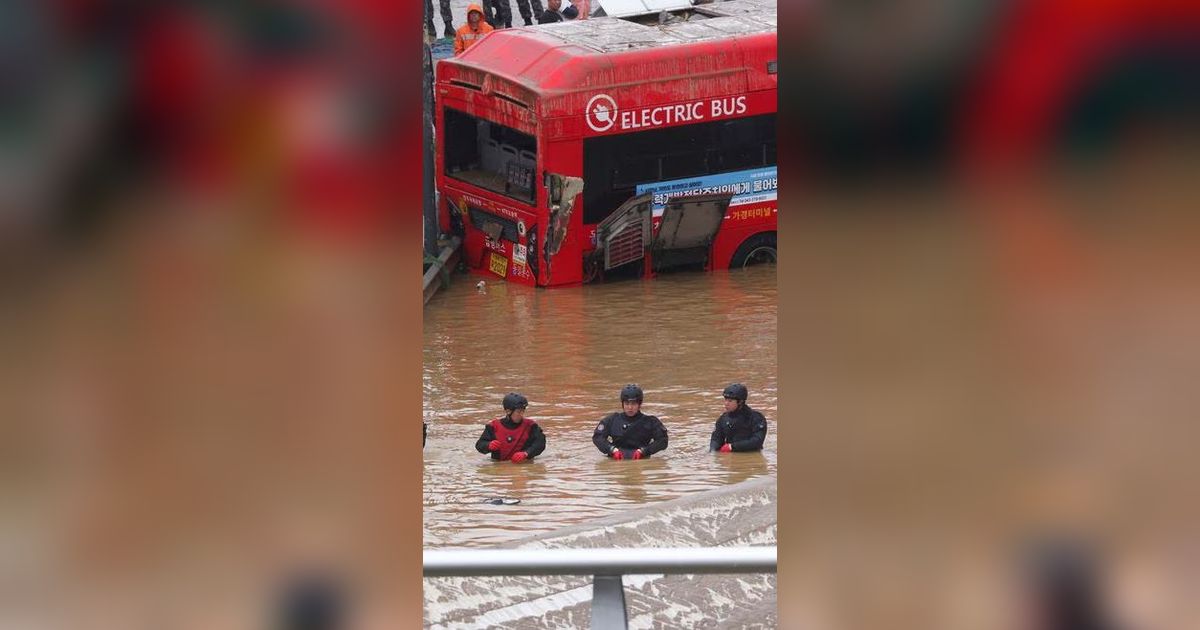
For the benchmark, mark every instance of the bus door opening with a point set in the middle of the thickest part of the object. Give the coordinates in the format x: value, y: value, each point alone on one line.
x: 627, y: 244
x: 687, y: 230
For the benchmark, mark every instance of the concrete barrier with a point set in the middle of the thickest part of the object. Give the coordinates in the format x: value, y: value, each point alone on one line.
x: 737, y: 515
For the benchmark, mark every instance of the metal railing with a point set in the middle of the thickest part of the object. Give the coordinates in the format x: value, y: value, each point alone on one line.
x: 605, y: 565
x: 431, y: 281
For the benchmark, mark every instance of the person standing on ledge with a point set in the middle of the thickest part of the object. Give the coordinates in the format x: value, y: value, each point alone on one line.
x: 740, y: 428
x: 553, y: 12
x: 514, y: 437
x: 498, y: 13
x: 629, y: 433
x: 529, y: 13
x: 447, y: 17
x: 472, y: 31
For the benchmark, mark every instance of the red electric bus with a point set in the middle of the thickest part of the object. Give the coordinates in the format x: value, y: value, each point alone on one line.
x: 585, y: 149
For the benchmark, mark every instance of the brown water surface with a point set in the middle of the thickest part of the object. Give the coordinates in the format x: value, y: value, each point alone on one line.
x: 682, y: 337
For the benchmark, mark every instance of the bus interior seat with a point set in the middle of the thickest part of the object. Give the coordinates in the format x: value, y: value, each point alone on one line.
x: 508, y: 154
x: 491, y: 156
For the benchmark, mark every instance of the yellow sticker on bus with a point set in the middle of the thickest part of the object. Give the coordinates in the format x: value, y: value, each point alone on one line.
x: 498, y: 265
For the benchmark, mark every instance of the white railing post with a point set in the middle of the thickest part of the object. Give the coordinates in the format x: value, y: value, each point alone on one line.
x: 608, y: 603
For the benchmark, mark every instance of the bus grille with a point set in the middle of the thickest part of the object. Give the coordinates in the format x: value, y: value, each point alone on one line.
x: 625, y: 247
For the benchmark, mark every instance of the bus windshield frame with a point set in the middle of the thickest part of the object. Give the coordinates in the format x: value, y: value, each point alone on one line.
x: 491, y: 156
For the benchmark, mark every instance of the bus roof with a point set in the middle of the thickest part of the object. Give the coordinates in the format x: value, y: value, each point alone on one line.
x: 551, y: 58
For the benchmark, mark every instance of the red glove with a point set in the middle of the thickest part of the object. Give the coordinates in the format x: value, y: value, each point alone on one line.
x: 616, y: 454
x: 725, y: 448
x: 519, y: 457
x: 637, y: 454
x: 494, y: 445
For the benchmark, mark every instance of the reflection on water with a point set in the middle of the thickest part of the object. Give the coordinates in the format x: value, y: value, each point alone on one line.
x: 682, y: 337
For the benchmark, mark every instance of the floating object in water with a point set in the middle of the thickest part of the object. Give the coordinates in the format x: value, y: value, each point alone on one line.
x: 502, y: 501
x: 482, y: 286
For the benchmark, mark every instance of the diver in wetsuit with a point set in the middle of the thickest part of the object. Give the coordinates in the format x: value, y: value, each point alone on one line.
x: 629, y: 433
x: 513, y: 437
x: 740, y: 428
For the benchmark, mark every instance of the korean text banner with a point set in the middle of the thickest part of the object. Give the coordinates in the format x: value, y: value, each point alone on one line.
x: 748, y: 186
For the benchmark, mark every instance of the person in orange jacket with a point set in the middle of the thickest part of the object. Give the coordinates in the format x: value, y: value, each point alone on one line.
x: 470, y: 32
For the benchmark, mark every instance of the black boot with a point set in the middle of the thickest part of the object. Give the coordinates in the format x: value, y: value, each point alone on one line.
x: 449, y: 32
x: 429, y: 29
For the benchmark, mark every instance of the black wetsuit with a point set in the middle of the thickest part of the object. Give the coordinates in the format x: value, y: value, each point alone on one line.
x: 743, y: 429
x: 535, y: 442
x: 619, y: 431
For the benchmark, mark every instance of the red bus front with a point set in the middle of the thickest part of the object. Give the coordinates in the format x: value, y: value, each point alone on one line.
x: 487, y: 165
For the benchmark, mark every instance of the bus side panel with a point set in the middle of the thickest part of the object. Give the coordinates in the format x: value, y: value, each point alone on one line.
x: 565, y: 267
x: 759, y: 55
x: 741, y: 224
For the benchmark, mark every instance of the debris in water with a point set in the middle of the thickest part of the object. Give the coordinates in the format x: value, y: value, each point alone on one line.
x: 502, y: 501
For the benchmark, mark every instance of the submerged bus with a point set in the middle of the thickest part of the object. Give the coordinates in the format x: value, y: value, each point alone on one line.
x: 579, y: 150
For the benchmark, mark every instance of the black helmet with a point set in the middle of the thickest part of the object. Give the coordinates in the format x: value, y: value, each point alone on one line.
x: 515, y: 401
x: 631, y: 392
x: 736, y: 391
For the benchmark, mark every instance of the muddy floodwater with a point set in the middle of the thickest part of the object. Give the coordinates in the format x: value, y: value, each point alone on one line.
x: 682, y: 337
